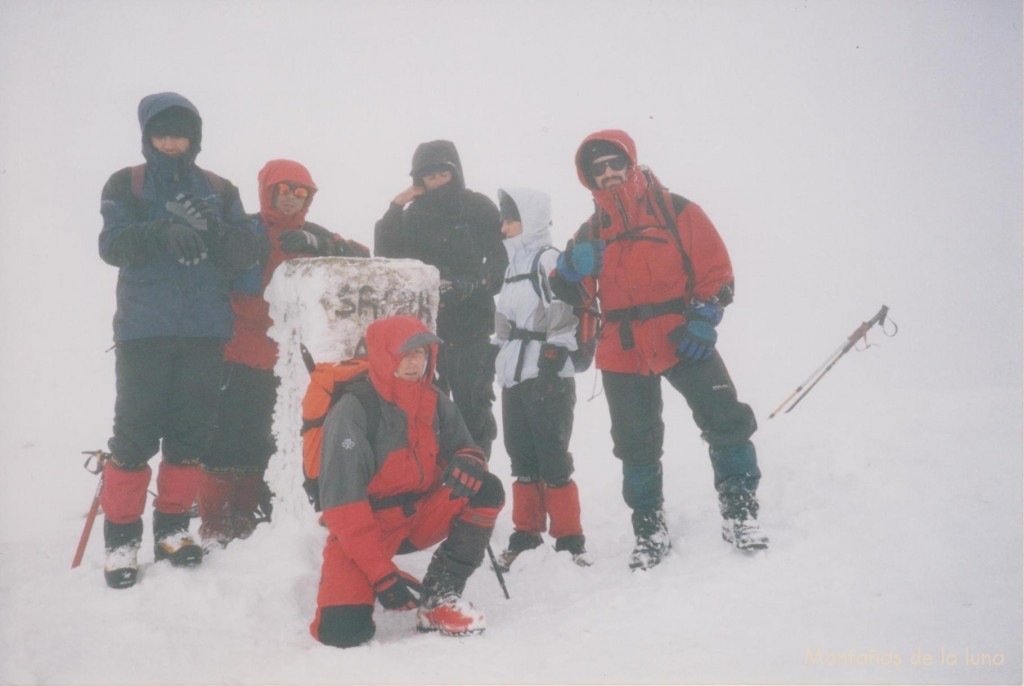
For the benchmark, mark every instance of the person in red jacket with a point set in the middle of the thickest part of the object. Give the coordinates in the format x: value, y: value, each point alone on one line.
x: 663, y: 278
x: 401, y: 482
x: 231, y: 484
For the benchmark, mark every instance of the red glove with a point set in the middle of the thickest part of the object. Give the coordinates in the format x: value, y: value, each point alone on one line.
x: 465, y: 473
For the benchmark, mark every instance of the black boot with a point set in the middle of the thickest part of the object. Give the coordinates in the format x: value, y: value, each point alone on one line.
x: 577, y: 547
x: 173, y: 541
x: 739, y: 508
x: 442, y: 607
x: 122, y: 542
x: 652, y: 540
x: 518, y: 542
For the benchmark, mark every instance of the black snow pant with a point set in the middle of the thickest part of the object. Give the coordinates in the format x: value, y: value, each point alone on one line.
x: 537, y: 418
x: 167, y: 391
x: 465, y: 370
x: 638, y: 431
x: 243, y: 440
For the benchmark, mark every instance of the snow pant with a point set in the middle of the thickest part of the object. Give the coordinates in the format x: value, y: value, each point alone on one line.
x: 232, y: 469
x: 537, y: 416
x: 638, y: 432
x: 345, y: 600
x: 465, y: 371
x: 166, y: 401
x: 243, y: 440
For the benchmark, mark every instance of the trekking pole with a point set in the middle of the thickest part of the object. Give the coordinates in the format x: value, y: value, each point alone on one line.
x: 497, y: 572
x: 812, y: 381
x: 98, y: 457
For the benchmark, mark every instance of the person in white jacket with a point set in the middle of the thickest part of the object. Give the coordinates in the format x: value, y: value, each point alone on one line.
x: 536, y: 333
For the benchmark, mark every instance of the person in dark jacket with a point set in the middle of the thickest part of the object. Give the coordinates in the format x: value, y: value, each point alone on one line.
x: 231, y: 488
x: 179, y: 236
x: 459, y: 232
x: 663, y: 278
x: 403, y: 481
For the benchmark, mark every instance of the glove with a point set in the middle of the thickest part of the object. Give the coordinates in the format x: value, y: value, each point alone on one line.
x: 695, y: 340
x: 197, y: 213
x: 465, y: 473
x: 182, y: 242
x: 552, y: 359
x: 580, y: 259
x: 304, y: 242
x: 352, y: 249
x: 398, y: 591
x: 460, y: 287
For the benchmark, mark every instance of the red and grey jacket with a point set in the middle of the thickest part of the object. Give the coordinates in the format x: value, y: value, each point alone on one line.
x: 369, y: 482
x: 650, y: 273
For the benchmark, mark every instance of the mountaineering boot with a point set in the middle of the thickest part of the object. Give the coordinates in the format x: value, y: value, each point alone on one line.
x: 739, y: 508
x: 518, y: 542
x: 122, y: 542
x: 745, y: 534
x: 442, y: 607
x: 248, y: 499
x: 736, y: 479
x: 652, y: 540
x: 173, y: 541
x: 216, y: 492
x: 576, y: 545
x: 450, y: 614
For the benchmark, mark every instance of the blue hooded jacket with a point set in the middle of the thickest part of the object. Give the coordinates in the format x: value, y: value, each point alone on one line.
x: 156, y: 295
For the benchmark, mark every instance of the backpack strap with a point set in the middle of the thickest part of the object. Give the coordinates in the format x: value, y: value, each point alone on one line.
x: 670, y: 220
x: 367, y: 396
x: 138, y: 177
x: 535, y: 276
x: 218, y: 184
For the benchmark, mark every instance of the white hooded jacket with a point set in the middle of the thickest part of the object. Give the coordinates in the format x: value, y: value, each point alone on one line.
x: 519, y: 304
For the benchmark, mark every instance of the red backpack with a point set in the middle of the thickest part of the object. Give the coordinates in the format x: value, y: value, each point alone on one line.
x: 328, y: 382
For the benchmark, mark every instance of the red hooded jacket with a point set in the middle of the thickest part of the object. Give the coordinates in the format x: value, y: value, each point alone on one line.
x: 251, y: 345
x: 643, y: 265
x: 418, y: 432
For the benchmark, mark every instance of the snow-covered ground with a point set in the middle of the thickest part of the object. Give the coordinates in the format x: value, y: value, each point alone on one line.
x: 851, y: 154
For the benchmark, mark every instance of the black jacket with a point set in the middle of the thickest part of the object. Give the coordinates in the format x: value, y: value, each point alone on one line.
x: 459, y: 232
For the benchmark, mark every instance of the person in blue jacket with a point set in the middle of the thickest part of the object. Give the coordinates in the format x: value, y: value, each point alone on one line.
x: 178, y: 235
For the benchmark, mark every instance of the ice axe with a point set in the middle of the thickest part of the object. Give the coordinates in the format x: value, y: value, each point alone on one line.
x: 94, y: 463
x: 860, y: 332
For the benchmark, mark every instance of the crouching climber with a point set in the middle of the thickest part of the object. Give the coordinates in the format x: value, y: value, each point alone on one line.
x: 399, y: 473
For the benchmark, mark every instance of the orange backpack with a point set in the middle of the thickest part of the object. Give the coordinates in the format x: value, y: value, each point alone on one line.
x: 328, y: 382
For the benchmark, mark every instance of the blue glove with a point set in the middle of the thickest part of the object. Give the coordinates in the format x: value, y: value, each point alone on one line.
x: 580, y: 259
x: 695, y: 340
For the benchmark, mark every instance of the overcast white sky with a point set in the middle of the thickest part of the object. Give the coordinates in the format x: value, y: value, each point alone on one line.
x: 850, y: 153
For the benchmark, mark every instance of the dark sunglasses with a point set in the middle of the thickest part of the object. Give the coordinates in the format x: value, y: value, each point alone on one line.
x: 301, y: 192
x: 617, y: 163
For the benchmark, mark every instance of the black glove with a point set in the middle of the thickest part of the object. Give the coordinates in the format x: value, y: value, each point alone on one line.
x: 398, y: 591
x: 465, y: 473
x: 552, y: 359
x: 197, y: 213
x: 459, y: 287
x: 305, y: 242
x: 182, y: 242
x: 352, y: 249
